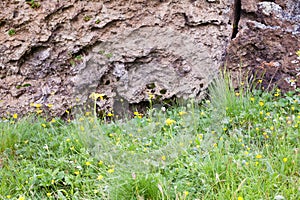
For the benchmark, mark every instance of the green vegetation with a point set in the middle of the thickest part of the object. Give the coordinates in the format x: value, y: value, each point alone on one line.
x: 11, y: 32
x: 236, y: 145
x: 33, y: 4
x: 97, y: 21
x: 87, y: 18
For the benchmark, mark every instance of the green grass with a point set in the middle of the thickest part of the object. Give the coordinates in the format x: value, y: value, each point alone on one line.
x: 235, y: 145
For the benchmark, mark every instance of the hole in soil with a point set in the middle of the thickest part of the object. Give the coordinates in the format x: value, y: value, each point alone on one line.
x: 163, y: 91
x: 107, y: 82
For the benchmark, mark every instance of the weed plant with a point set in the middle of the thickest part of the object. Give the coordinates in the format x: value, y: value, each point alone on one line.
x: 236, y: 145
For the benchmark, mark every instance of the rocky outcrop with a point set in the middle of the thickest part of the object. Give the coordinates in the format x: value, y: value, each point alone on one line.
x: 266, y: 44
x: 58, y: 52
x: 54, y: 54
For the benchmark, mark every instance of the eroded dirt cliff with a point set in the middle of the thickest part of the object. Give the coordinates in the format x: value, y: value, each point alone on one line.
x: 54, y: 53
x: 59, y: 52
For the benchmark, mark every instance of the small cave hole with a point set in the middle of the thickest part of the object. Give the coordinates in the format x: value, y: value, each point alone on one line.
x: 107, y: 82
x: 150, y: 86
x: 163, y: 91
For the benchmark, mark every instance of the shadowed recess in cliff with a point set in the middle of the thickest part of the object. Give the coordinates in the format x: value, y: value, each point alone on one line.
x: 237, y: 7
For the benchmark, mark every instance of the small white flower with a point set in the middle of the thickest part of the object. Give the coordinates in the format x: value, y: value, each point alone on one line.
x: 279, y: 197
x: 79, y: 167
x: 46, y: 147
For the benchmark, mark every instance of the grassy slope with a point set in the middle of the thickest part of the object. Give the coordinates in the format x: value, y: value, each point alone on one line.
x: 239, y: 145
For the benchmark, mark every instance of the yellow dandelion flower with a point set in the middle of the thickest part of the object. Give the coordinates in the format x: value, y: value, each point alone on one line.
x: 259, y: 81
x: 72, y: 148
x: 100, y: 162
x: 95, y: 96
x: 137, y: 114
x: 100, y: 177
x: 276, y: 94
x: 181, y: 113
x: 49, y: 105
x: 88, y: 163
x: 252, y: 99
x: 240, y: 198
x: 284, y: 160
x: 8, y: 196
x: 15, y: 116
x: 38, y: 111
x: 88, y: 113
x: 81, y: 128
x: 298, y: 53
x: 43, y: 125
x: 48, y: 194
x: 77, y: 172
x: 110, y: 114
x: 292, y: 108
x: 21, y: 198
x: 200, y: 136
x: 261, y: 103
x: 237, y: 94
x: 53, y: 120
x: 163, y: 158
x: 151, y: 96
x: 112, y: 170
x: 52, y: 181
x: 38, y: 105
x: 258, y: 156
x: 170, y: 122
x: 68, y: 140
x: 215, y: 145
x: 264, y: 133
x: 186, y: 193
